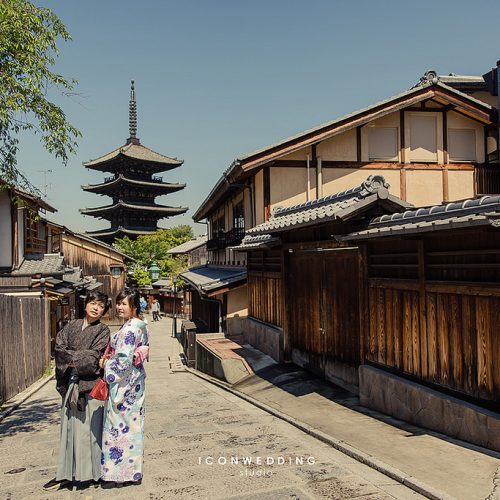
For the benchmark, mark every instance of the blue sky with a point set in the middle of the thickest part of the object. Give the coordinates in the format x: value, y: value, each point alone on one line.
x: 216, y: 79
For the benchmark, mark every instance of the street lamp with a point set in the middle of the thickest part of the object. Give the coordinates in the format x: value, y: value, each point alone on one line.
x: 154, y: 271
x: 174, y: 323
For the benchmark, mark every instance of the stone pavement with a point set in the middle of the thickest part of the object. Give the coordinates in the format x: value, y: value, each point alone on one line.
x: 454, y: 468
x: 192, y: 429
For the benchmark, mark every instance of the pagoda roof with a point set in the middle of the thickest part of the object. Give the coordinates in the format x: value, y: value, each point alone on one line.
x: 122, y: 180
x: 139, y: 207
x: 133, y: 150
x: 120, y: 230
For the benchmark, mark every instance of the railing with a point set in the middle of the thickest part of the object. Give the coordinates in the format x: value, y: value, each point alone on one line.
x: 488, y: 179
x: 35, y: 245
x: 220, y: 240
x: 56, y: 243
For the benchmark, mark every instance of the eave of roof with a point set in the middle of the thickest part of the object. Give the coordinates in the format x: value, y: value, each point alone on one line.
x: 188, y: 246
x: 121, y: 179
x: 471, y: 212
x: 208, y: 279
x: 317, y: 134
x: 119, y: 230
x: 87, y: 237
x: 134, y: 206
x: 134, y: 152
x: 341, y: 206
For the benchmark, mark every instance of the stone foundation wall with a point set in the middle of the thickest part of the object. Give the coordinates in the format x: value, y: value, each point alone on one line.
x: 425, y: 407
x: 264, y: 337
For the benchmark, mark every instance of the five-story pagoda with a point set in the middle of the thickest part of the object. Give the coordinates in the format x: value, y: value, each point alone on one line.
x: 133, y: 186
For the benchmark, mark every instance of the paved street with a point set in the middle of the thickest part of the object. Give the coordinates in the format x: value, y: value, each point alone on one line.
x: 192, y: 429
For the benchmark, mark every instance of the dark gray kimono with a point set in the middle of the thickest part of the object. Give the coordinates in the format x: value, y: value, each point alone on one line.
x: 83, y: 349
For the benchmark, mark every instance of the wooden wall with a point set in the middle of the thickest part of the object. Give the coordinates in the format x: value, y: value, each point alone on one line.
x: 442, y: 326
x: 265, y: 297
x: 24, y: 342
x: 95, y: 260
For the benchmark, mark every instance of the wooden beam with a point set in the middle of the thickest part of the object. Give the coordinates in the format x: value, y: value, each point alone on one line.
x: 402, y: 141
x: 422, y: 315
x: 402, y: 181
x: 445, y: 137
x: 446, y: 191
x: 267, y: 193
x: 314, y: 165
x: 358, y: 144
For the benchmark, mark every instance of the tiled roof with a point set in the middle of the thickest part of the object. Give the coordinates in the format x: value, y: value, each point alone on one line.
x: 211, y: 278
x: 351, y: 119
x: 44, y: 264
x: 257, y: 242
x: 190, y: 245
x: 383, y: 102
x: 479, y: 211
x: 121, y: 179
x: 136, y: 152
x: 135, y: 206
x: 340, y: 206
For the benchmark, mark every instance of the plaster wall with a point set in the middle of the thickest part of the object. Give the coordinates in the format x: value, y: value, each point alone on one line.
x: 391, y: 120
x: 460, y: 184
x: 424, y: 187
x: 340, y: 179
x: 456, y: 121
x: 289, y: 185
x: 20, y: 233
x: 340, y: 147
x: 301, y: 154
x: 5, y: 229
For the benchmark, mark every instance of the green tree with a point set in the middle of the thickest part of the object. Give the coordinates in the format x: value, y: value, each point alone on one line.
x: 28, y: 50
x: 153, y: 248
x: 141, y: 277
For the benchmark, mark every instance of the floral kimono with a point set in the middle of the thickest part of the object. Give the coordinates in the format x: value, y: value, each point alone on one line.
x: 123, y: 434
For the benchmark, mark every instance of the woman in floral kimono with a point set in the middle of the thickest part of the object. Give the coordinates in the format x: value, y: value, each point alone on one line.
x: 123, y: 434
x: 79, y: 347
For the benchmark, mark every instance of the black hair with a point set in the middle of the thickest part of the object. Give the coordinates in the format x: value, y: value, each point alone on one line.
x: 98, y: 297
x: 133, y: 298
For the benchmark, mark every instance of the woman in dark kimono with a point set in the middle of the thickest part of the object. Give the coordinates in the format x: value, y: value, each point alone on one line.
x: 79, y: 346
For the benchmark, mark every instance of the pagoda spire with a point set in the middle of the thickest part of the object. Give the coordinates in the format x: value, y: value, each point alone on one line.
x: 132, y: 117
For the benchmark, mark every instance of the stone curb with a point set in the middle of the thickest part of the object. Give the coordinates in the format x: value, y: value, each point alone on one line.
x: 23, y: 396
x: 369, y: 460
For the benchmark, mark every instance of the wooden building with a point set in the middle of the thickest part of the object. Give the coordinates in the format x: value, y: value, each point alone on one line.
x: 436, y: 142
x: 133, y: 187
x: 400, y: 306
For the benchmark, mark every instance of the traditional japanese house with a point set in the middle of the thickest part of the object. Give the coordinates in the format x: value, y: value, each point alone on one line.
x: 101, y: 265
x: 401, y: 306
x: 133, y: 187
x: 435, y: 142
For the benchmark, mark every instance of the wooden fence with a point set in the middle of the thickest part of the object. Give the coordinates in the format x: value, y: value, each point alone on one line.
x: 443, y: 334
x: 265, y: 292
x: 24, y: 342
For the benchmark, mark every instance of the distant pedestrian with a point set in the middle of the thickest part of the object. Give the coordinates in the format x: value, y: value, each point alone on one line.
x: 155, y: 309
x: 123, y: 433
x: 79, y: 347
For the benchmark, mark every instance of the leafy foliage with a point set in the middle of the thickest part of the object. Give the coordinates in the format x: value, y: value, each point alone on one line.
x: 153, y: 248
x: 141, y: 276
x: 28, y: 50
